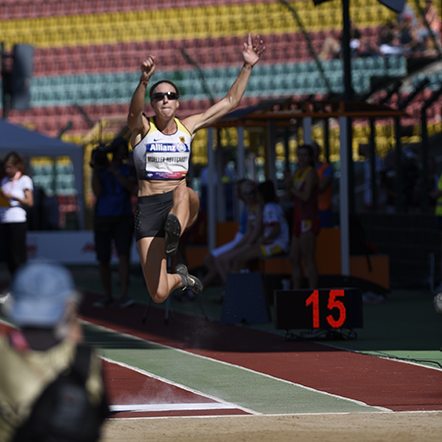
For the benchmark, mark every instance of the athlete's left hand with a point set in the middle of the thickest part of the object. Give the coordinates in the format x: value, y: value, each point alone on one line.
x: 253, y: 49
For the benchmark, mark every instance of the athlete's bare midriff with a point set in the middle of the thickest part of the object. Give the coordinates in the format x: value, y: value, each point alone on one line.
x: 154, y: 187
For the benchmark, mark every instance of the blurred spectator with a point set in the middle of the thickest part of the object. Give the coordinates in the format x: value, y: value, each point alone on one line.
x: 331, y: 48
x: 17, y: 191
x: 436, y: 195
x: 429, y: 22
x: 304, y: 188
x: 379, y: 167
x: 411, y: 179
x: 210, y: 259
x: 355, y: 41
x: 408, y: 37
x: 433, y: 182
x: 360, y: 46
x: 254, y: 207
x: 325, y: 176
x: 113, y: 183
x: 366, y: 48
x: 227, y: 181
x: 389, y: 42
x: 387, y: 179
x: 44, y: 307
x: 275, y: 239
x: 408, y: 12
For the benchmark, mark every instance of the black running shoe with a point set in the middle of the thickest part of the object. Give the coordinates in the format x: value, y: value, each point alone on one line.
x: 192, y: 282
x: 172, y: 228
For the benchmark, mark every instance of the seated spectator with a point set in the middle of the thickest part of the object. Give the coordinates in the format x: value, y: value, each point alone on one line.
x: 408, y: 37
x: 355, y: 42
x: 276, y: 237
x: 331, y: 48
x: 389, y: 42
x: 254, y: 209
x: 210, y: 258
x: 365, y: 48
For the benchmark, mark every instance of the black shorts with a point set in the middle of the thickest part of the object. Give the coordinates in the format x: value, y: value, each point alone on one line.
x: 118, y: 229
x: 151, y: 214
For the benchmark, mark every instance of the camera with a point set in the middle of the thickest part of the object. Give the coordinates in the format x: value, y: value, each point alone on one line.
x: 99, y: 155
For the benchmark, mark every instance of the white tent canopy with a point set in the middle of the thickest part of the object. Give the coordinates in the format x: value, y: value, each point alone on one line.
x: 33, y: 144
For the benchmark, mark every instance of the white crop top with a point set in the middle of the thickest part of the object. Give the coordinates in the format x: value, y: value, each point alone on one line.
x: 163, y: 157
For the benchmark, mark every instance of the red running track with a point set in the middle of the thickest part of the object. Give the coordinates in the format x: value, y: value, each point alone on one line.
x: 375, y: 381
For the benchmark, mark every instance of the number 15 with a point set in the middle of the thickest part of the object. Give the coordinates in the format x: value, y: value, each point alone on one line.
x: 332, y: 303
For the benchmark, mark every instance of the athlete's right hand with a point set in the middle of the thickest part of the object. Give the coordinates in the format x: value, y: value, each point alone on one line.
x: 148, y: 68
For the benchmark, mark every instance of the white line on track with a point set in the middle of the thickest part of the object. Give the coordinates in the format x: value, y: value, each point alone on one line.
x: 171, y: 407
x: 352, y: 413
x: 218, y: 404
x: 175, y: 384
x: 383, y: 355
x: 236, y: 366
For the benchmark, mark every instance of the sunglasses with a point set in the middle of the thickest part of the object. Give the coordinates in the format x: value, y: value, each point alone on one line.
x: 161, y: 95
x: 248, y: 191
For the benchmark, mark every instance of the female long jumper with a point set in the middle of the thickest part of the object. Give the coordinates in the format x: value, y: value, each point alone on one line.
x: 161, y: 145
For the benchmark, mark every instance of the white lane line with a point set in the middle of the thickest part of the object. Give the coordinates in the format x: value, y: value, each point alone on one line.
x: 171, y: 407
x: 384, y: 355
x: 354, y: 401
x: 175, y: 384
x: 230, y: 417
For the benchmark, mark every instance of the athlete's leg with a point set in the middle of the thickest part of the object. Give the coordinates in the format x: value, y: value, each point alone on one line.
x: 183, y: 213
x: 185, y: 205
x: 154, y: 265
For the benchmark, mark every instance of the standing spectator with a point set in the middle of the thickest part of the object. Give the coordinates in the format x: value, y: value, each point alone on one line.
x: 17, y: 190
x: 305, y: 189
x: 113, y: 183
x: 433, y: 181
x: 411, y: 177
x: 325, y: 176
x: 436, y: 194
x: 275, y: 239
x: 44, y: 307
x: 379, y: 167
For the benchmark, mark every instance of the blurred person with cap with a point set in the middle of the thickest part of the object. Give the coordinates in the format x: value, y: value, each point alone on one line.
x: 113, y: 183
x: 43, y: 306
